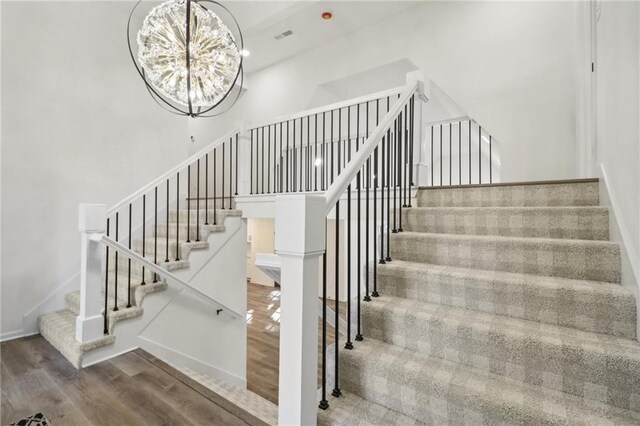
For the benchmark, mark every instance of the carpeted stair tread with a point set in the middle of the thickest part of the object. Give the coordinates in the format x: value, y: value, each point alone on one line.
x: 603, y: 367
x: 578, y: 259
x: 548, y: 194
x: 204, y: 230
x: 352, y: 410
x: 205, y: 215
x: 437, y: 391
x: 59, y: 328
x: 185, y: 248
x: 586, y: 305
x: 584, y: 223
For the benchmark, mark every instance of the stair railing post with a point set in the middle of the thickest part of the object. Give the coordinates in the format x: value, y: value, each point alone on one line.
x: 300, y: 243
x: 421, y: 141
x: 90, y: 322
x: 244, y: 156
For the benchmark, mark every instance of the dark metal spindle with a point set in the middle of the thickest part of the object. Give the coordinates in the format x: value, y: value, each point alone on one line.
x: 206, y: 189
x: 450, y: 152
x: 251, y: 166
x: 301, y: 160
x: 215, y: 200
x: 348, y: 344
x: 401, y: 169
x: 236, y: 193
x: 155, y: 233
x: 323, y: 168
x: 144, y: 226
x: 315, y: 154
x: 411, y: 130
x: 177, y: 215
x: 166, y: 259
x: 198, y: 201
x: 269, y: 159
x: 460, y: 153
x: 323, y: 402
x: 395, y: 173
x: 230, y: 170
x: 287, y: 152
x: 106, y: 288
x: 490, y: 162
x: 222, y: 174
x: 336, y: 385
x: 115, y: 286
x: 359, y: 257
x: 469, y: 152
x: 261, y: 174
x: 129, y: 262
x: 188, y: 204
x: 388, y: 257
x: 366, y: 231
x: 441, y: 155
x: 479, y: 154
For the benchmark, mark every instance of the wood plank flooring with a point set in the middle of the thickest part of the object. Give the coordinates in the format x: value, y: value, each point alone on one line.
x: 126, y: 390
x: 263, y: 339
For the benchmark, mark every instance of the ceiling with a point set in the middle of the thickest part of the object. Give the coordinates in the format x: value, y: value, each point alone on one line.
x: 262, y: 20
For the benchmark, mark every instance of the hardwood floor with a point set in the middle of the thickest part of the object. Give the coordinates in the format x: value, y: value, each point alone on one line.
x: 126, y: 390
x: 263, y: 339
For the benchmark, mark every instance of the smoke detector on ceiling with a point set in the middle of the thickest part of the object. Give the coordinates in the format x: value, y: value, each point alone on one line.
x: 283, y: 35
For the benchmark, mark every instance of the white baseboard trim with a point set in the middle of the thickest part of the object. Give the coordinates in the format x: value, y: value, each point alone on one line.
x: 16, y: 334
x: 173, y: 356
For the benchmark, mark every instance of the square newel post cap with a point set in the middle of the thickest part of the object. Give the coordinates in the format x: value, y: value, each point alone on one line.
x: 300, y: 224
x: 91, y: 217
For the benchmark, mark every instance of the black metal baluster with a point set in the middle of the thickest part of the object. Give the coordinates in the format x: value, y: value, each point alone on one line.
x: 308, y: 174
x: 294, y: 159
x: 188, y: 204
x: 490, y: 162
x: 339, y: 168
x: 222, y: 174
x: 230, y: 172
x: 432, y: 181
x: 359, y: 260
x: 479, y: 154
x: 450, y: 152
x: 251, y: 166
x: 469, y: 152
x: 177, y: 214
x: 332, y: 153
x: 374, y: 293
x: 336, y: 385
x: 401, y: 170
x: 395, y: 173
x: 206, y: 189
x: 236, y: 193
x: 441, y: 155
x: 115, y: 287
x: 348, y: 344
x: 366, y: 231
x: 323, y: 153
x: 155, y: 233
x: 106, y: 288
x: 281, y: 158
x: 167, y: 236
x: 129, y: 262
x: 261, y: 174
x: 323, y: 402
x: 198, y: 201
x: 215, y: 201
x: 460, y: 153
x: 269, y: 159
x: 405, y: 163
x: 315, y: 155
x: 389, y: 143
x: 382, y: 178
x: 411, y: 130
x: 301, y: 161
x: 144, y: 227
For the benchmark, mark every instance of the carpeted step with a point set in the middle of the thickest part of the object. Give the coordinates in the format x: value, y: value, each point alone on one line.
x: 73, y: 304
x: 161, y: 244
x: 598, y: 366
x: 352, y: 410
x: 204, y: 230
x: 585, y: 193
x: 437, y: 391
x: 578, y: 259
x: 583, y: 223
x: 206, y: 216
x: 136, y: 268
x: 138, y: 290
x: 586, y: 305
x: 59, y: 328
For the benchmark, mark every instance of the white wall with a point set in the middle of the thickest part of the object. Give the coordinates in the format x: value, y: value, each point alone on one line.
x: 77, y: 126
x: 511, y: 65
x: 618, y: 119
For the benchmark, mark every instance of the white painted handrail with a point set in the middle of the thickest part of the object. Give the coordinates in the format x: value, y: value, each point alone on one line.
x: 171, y: 172
x: 331, y: 107
x: 162, y: 272
x: 344, y: 179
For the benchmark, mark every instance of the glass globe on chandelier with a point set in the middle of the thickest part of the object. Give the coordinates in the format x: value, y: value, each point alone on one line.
x: 188, y: 58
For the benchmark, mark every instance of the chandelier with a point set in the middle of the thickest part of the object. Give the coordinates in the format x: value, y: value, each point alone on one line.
x: 188, y: 58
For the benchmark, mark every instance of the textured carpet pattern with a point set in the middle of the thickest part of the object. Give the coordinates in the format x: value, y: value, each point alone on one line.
x: 125, y: 289
x: 502, y: 305
x: 584, y: 223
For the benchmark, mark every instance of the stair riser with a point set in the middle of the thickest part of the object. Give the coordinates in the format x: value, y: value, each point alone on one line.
x: 206, y: 217
x: 434, y: 401
x: 597, y: 261
x: 515, y: 354
x: 193, y: 231
x: 570, y: 223
x: 578, y: 306
x: 568, y: 194
x: 184, y: 248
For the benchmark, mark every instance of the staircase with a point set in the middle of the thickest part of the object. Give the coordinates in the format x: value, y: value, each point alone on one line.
x: 59, y: 327
x: 502, y: 305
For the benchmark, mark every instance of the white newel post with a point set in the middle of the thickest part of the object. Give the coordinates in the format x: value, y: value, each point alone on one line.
x: 420, y: 173
x: 89, y: 323
x: 299, y: 243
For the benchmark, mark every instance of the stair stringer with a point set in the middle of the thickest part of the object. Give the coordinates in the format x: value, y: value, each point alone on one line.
x: 183, y: 329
